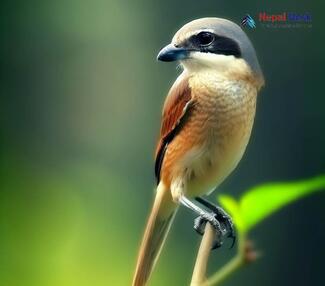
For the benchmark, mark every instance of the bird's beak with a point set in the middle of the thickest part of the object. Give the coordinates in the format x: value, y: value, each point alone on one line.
x: 172, y: 53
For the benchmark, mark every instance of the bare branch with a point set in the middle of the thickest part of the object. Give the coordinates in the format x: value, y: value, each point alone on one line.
x: 199, y: 272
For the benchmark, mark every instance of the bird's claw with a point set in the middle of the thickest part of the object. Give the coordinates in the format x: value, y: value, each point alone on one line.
x: 226, y: 220
x: 221, y: 222
x: 200, y: 223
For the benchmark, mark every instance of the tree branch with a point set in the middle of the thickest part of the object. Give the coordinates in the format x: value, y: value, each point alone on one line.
x: 245, y: 254
x: 199, y: 272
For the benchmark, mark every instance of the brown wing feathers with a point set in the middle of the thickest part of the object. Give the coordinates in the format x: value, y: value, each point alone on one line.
x: 177, y: 106
x: 176, y: 109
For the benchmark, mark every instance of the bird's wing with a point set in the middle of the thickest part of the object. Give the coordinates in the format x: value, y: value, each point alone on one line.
x: 176, y: 110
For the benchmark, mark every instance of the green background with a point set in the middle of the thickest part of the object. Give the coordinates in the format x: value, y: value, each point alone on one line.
x: 80, y: 105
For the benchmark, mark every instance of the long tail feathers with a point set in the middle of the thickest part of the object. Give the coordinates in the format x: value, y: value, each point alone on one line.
x: 157, y: 228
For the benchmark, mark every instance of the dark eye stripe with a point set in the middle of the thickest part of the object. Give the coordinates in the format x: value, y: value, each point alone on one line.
x: 207, y: 42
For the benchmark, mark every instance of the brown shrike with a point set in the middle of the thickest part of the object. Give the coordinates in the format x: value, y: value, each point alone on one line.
x: 206, y: 124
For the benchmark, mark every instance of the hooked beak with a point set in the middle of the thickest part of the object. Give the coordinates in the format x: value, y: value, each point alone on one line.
x: 172, y: 53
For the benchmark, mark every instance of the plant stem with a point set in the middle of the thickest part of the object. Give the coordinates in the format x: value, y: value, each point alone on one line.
x: 225, y: 271
x: 233, y: 265
x: 199, y: 272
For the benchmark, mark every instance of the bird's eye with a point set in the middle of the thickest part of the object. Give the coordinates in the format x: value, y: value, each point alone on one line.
x: 205, y: 38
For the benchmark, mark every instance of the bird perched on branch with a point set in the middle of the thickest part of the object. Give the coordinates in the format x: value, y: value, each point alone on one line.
x: 207, y: 120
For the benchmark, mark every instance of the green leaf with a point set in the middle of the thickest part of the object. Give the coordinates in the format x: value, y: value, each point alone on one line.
x: 232, y: 207
x: 261, y: 201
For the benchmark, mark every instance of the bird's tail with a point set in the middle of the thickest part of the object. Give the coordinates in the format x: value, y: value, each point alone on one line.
x: 157, y: 228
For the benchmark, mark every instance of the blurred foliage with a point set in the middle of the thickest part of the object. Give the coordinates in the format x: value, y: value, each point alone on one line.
x: 58, y: 229
x: 262, y: 201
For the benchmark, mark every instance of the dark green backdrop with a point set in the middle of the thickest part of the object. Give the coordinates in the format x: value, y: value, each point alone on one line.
x: 81, y: 96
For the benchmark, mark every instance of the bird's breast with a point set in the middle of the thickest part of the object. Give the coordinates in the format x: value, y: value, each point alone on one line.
x: 223, y: 118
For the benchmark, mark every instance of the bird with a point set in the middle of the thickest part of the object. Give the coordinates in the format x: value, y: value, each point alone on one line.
x: 206, y: 124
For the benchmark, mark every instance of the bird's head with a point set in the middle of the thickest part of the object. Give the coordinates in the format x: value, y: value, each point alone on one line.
x: 212, y: 43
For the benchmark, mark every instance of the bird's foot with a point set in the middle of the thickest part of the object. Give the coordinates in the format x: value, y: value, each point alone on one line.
x: 219, y: 219
x: 200, y: 223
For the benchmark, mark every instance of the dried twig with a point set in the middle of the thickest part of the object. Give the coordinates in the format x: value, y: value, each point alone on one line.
x: 245, y: 254
x: 199, y: 272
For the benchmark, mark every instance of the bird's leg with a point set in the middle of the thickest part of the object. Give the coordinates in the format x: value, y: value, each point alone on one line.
x: 178, y: 188
x: 204, y: 217
x: 221, y: 216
